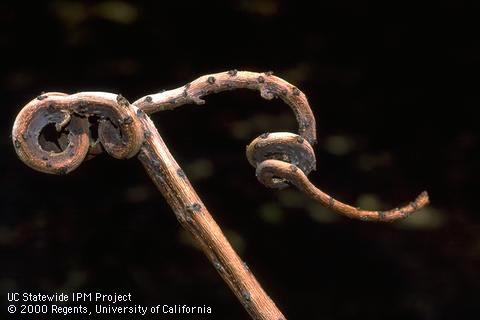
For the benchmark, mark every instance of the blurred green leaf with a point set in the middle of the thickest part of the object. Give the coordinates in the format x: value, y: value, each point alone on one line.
x: 369, y: 201
x: 339, y: 145
x: 199, y: 169
x: 75, y: 279
x: 292, y: 198
x: 236, y: 240
x: 321, y: 214
x: 137, y: 194
x: 271, y: 213
x: 368, y: 162
x: 71, y: 13
x: 116, y: 11
x: 426, y: 218
x: 260, y: 7
x: 187, y: 239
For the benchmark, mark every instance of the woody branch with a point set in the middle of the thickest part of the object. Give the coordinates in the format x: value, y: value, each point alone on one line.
x: 125, y: 130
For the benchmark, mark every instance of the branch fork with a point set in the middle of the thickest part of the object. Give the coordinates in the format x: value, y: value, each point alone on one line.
x: 125, y: 130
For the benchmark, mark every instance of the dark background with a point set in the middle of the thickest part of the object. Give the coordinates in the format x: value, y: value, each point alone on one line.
x: 394, y: 92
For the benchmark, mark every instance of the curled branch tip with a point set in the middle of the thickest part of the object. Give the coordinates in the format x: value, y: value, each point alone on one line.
x: 75, y: 118
x: 284, y: 158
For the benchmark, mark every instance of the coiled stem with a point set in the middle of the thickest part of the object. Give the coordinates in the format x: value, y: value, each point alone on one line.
x: 282, y: 158
x: 119, y: 131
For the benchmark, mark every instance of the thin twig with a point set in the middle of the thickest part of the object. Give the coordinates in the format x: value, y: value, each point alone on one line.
x: 269, y: 86
x: 269, y: 169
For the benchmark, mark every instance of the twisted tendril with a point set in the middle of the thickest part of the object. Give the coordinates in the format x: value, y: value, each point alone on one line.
x: 281, y: 158
x: 74, y: 117
x: 282, y: 146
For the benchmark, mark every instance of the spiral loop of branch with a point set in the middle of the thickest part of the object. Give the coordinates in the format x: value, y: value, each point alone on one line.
x: 285, y: 147
x: 75, y: 118
x: 284, y: 158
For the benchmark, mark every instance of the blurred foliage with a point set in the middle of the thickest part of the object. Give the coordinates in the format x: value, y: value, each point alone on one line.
x: 73, y: 13
x: 199, y: 169
x: 116, y: 11
x: 260, y: 7
x: 138, y: 193
x: 369, y: 202
x: 321, y: 214
x: 339, y: 145
x: 259, y: 123
x: 395, y: 104
x: 271, y: 213
x: 426, y: 218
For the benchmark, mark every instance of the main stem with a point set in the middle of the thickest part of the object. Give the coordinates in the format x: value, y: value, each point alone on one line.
x: 194, y: 217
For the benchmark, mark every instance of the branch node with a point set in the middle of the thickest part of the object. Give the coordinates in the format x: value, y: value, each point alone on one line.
x: 266, y: 94
x: 194, y: 207
x: 122, y: 101
x: 198, y: 101
x: 232, y: 73
x: 181, y: 173
x: 211, y: 80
